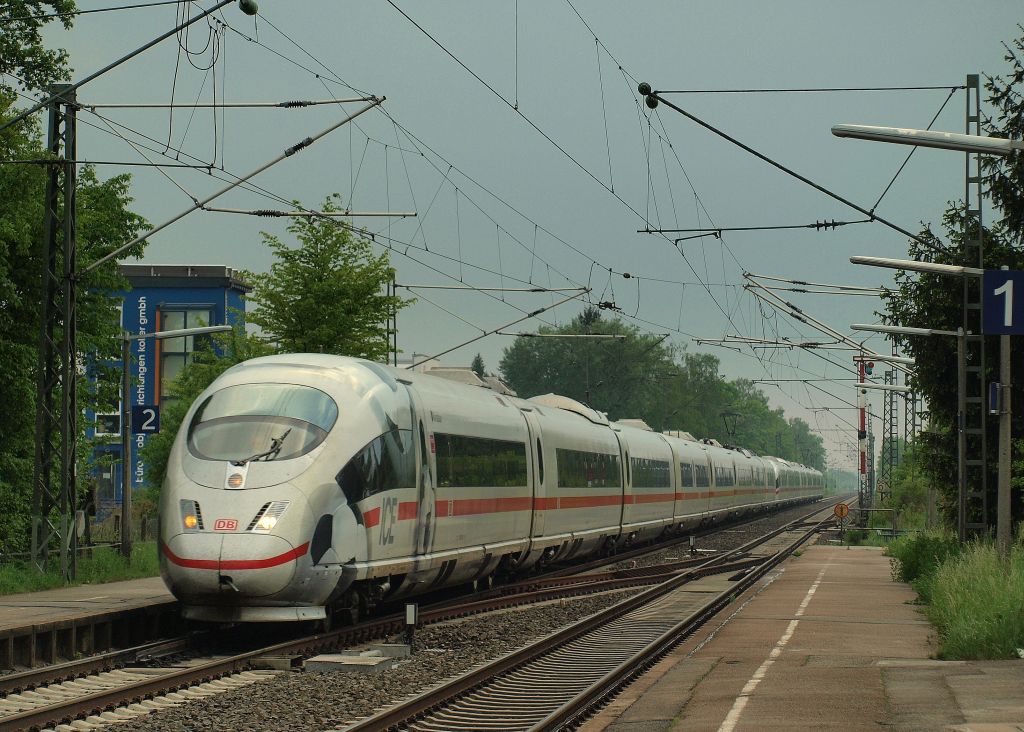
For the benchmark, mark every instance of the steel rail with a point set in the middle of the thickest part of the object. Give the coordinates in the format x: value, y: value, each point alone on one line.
x: 70, y: 670
x: 583, y: 703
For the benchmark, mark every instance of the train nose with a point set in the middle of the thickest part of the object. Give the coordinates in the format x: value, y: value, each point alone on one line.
x: 236, y: 565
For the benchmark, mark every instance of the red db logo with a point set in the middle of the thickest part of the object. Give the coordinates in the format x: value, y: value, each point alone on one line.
x: 225, y: 524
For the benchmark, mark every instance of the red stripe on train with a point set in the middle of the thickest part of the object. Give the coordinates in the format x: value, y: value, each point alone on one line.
x: 444, y: 508
x: 234, y: 563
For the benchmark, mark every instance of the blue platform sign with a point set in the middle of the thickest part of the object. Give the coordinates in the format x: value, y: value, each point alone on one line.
x: 145, y: 419
x: 1003, y: 302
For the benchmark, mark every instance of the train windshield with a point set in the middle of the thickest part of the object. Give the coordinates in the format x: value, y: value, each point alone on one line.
x: 261, y: 422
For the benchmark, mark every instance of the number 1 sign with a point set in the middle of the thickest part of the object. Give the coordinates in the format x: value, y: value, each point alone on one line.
x: 1001, y: 291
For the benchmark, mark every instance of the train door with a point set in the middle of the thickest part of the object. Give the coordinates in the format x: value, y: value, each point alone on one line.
x: 425, y: 465
x: 538, y: 484
x: 627, y: 476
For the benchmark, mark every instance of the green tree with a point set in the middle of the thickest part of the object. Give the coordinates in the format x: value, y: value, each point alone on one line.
x: 637, y: 376
x: 618, y: 376
x: 478, y: 366
x: 328, y: 294
x: 22, y: 53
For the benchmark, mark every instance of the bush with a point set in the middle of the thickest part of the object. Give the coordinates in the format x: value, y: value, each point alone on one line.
x: 916, y: 557
x: 977, y: 604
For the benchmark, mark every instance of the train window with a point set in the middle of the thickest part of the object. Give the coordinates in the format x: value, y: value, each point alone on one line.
x: 263, y: 422
x: 651, y: 473
x: 387, y: 463
x: 579, y: 469
x: 701, y: 477
x: 464, y: 461
x: 686, y: 475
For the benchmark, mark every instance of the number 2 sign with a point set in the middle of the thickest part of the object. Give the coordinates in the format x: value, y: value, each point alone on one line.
x: 145, y: 419
x: 1002, y: 289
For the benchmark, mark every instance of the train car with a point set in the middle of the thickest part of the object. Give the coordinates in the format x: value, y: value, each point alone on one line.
x: 308, y: 483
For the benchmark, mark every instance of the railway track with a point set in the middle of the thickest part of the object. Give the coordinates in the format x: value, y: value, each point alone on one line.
x: 128, y: 683
x: 550, y: 684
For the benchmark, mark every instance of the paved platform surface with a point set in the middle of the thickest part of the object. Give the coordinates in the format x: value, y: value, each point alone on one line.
x: 827, y: 641
x: 48, y: 606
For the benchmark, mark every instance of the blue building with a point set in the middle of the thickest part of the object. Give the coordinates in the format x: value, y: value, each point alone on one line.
x: 162, y: 297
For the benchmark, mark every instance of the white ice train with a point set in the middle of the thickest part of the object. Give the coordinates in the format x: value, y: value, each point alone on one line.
x: 304, y: 483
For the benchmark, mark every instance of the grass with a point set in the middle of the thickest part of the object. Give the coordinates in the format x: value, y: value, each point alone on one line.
x: 916, y: 557
x: 976, y: 601
x: 105, y: 565
x: 974, y: 598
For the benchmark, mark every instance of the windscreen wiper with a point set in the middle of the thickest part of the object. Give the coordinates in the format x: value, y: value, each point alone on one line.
x: 275, y: 448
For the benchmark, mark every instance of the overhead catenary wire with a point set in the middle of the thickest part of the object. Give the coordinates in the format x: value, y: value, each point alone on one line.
x: 792, y: 173
x: 71, y: 88
x: 529, y: 315
x: 412, y: 136
x: 826, y: 292
x: 806, y: 90
x: 491, y: 289
x: 69, y: 13
x: 248, y: 185
x: 793, y: 311
x: 716, y: 231
x: 597, y: 336
x: 271, y: 213
x: 913, y: 149
x: 652, y: 278
x: 292, y: 104
x: 301, y: 145
x: 118, y: 163
x: 546, y: 136
x: 807, y: 283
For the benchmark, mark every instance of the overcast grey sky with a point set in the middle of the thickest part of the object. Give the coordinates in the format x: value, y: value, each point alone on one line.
x: 492, y: 186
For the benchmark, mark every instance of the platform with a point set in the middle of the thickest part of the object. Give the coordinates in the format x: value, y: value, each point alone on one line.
x: 47, y: 626
x: 827, y: 641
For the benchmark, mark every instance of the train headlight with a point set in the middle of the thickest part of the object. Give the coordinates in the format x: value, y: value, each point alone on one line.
x: 191, y: 516
x: 236, y: 480
x: 267, y: 517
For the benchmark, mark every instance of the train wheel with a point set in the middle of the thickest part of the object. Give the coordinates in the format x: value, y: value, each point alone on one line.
x: 351, y: 608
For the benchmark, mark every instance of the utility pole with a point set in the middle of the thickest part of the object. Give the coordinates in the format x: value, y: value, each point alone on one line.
x: 54, y: 479
x: 863, y: 491
x: 1004, y: 522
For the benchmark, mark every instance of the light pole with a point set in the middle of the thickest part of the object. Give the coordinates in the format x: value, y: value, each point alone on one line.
x: 126, y: 418
x: 981, y: 146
